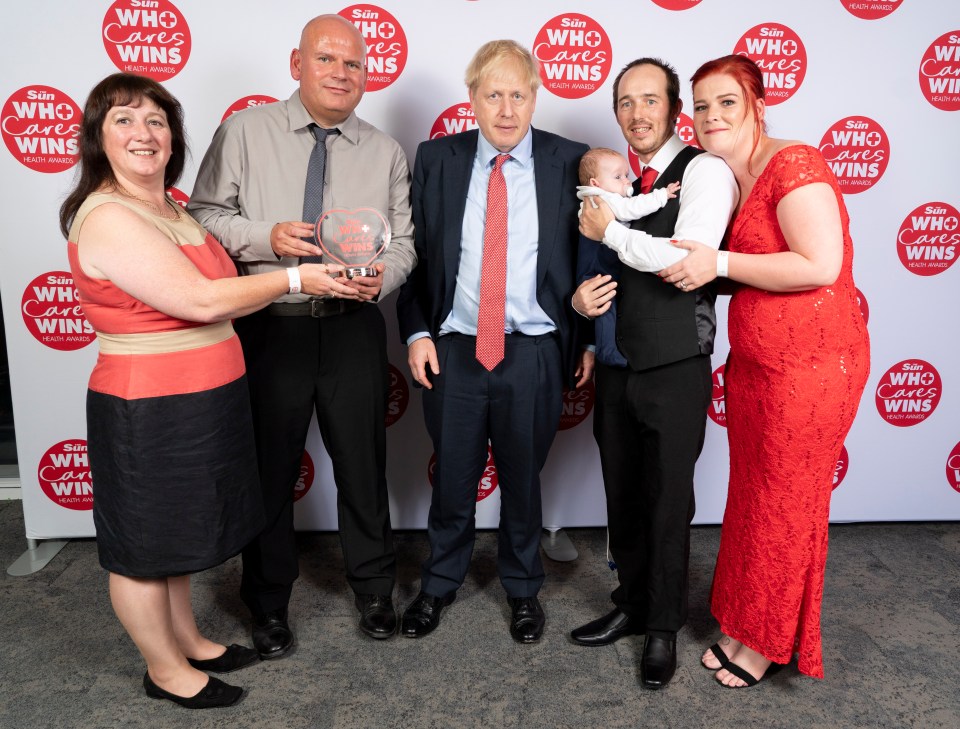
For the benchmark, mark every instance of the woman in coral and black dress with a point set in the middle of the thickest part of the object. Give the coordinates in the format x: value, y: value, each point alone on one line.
x: 798, y: 364
x: 169, y: 427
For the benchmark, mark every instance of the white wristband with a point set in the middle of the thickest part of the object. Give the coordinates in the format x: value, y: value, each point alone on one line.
x: 723, y: 264
x: 293, y: 275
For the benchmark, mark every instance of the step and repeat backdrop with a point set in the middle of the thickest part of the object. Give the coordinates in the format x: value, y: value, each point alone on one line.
x: 875, y: 84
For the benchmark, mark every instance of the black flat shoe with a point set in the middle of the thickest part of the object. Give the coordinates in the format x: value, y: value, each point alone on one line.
x: 659, y: 662
x: 212, y: 696
x: 378, y: 619
x: 272, y: 636
x: 423, y: 615
x: 233, y: 659
x: 606, y: 630
x: 527, y: 621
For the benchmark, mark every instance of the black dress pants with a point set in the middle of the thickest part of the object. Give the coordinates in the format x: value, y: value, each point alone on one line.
x: 337, y: 367
x: 650, y: 427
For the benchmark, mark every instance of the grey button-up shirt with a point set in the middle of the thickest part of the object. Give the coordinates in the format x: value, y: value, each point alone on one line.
x: 253, y: 177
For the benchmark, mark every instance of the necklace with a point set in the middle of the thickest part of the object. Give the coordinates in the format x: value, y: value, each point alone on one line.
x: 175, y: 207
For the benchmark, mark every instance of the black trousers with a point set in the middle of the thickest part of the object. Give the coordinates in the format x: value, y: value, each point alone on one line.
x: 650, y: 427
x: 517, y: 408
x: 336, y: 366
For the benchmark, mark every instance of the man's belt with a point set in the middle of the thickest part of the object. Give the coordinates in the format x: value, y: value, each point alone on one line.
x: 316, y: 308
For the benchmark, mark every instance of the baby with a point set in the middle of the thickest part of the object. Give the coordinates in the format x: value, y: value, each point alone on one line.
x: 604, y: 171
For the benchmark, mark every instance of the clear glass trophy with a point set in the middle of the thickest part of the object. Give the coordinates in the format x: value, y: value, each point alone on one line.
x: 356, y: 239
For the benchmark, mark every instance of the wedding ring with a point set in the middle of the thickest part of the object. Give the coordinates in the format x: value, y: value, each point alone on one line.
x: 683, y: 285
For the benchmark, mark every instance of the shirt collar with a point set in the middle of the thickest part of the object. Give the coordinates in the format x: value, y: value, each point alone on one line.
x: 666, y: 154
x: 299, y: 118
x: 522, y: 153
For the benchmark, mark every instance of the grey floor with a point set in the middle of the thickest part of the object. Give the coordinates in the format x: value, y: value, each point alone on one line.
x: 891, y: 622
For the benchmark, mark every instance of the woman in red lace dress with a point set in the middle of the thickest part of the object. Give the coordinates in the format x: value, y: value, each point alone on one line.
x: 799, y: 359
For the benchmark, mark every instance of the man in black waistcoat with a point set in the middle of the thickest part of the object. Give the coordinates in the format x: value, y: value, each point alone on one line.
x: 650, y: 416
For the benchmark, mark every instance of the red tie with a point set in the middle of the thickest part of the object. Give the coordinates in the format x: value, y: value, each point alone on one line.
x: 647, y: 178
x: 493, y: 270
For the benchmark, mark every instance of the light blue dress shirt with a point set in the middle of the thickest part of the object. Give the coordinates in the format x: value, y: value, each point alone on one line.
x: 523, y: 313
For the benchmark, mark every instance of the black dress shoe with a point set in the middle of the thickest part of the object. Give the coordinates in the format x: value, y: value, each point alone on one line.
x: 423, y: 615
x: 233, y: 659
x: 215, y: 694
x: 526, y: 625
x: 606, y: 630
x: 272, y: 636
x: 378, y: 619
x: 659, y: 662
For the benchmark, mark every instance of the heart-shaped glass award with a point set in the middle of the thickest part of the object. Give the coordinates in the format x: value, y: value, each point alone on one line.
x: 356, y: 239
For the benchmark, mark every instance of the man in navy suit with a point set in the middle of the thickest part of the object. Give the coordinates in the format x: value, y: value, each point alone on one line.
x: 452, y: 320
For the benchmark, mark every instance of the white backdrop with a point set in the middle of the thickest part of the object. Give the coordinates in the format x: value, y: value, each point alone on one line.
x: 874, y: 84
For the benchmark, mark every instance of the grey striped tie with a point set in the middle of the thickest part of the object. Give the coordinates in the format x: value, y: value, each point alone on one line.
x: 313, y: 189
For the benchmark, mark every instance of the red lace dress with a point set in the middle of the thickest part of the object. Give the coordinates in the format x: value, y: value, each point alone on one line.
x: 798, y: 364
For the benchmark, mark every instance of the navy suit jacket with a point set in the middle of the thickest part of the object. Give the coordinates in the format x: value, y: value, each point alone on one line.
x: 441, y: 177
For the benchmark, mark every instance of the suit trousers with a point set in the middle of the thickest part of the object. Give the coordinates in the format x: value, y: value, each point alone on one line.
x: 337, y: 367
x: 516, y: 407
x: 650, y: 427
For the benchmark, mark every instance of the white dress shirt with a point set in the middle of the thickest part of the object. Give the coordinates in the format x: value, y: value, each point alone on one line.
x: 708, y: 197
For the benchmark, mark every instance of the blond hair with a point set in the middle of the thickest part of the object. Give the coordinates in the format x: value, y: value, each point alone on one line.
x: 497, y: 52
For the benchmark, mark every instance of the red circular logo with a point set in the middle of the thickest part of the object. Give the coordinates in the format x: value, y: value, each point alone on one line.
x: 857, y: 150
x: 398, y: 396
x: 676, y: 4
x: 179, y: 196
x: 305, y: 481
x: 577, y: 405
x: 718, y: 403
x: 51, y: 310
x: 488, y: 481
x: 928, y: 237
x: 40, y: 126
x: 386, y: 43
x: 453, y: 120
x: 953, y: 468
x: 64, y: 475
x: 909, y: 392
x: 246, y: 103
x: 872, y: 10
x: 780, y: 55
x: 940, y: 72
x: 574, y: 54
x: 841, y: 470
x: 864, y: 307
x: 147, y: 37
x: 685, y: 131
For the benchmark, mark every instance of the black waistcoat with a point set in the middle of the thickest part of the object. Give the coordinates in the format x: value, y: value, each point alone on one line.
x: 658, y: 323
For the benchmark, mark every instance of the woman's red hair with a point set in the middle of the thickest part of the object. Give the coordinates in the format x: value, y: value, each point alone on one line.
x: 748, y: 77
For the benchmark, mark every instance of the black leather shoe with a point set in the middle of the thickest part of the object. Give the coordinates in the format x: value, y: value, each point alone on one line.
x: 272, y: 636
x: 526, y: 625
x: 378, y: 619
x: 233, y: 659
x: 606, y: 630
x: 423, y: 615
x: 659, y: 662
x: 215, y: 694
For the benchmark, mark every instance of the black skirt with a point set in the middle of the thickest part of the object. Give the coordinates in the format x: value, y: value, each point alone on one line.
x: 175, y: 485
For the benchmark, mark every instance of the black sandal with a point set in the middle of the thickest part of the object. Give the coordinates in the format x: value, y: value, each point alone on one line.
x: 719, y: 655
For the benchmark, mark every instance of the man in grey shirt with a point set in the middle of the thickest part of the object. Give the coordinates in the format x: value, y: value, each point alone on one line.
x: 324, y: 355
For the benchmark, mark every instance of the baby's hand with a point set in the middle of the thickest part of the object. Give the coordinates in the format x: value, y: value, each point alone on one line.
x: 672, y: 189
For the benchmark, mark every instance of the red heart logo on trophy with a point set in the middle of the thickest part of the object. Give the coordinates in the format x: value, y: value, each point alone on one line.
x: 356, y: 239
